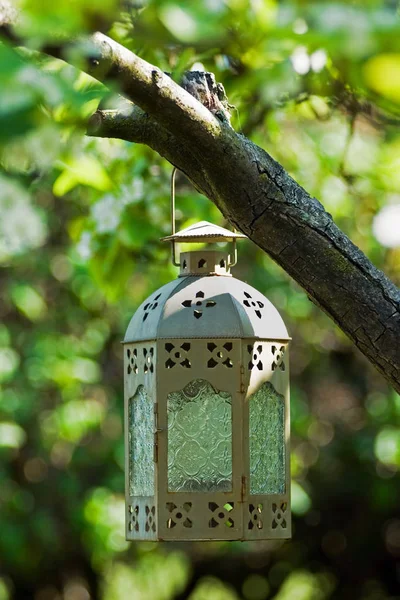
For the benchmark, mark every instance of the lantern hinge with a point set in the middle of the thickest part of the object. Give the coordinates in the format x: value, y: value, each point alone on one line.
x: 242, y: 386
x: 243, y: 490
x: 156, y: 430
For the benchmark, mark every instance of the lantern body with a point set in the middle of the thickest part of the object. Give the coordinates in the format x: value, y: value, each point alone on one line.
x: 207, y: 410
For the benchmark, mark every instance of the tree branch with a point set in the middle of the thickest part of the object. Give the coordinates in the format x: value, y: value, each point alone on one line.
x: 152, y: 90
x: 257, y: 195
x: 132, y: 124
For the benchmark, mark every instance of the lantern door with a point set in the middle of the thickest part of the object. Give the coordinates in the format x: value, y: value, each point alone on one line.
x: 199, y: 440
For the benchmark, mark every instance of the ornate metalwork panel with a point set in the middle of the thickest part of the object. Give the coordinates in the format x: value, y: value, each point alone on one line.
x: 267, y: 517
x: 200, y: 516
x: 141, y: 519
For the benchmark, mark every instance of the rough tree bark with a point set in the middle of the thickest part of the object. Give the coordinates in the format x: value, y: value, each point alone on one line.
x: 253, y: 192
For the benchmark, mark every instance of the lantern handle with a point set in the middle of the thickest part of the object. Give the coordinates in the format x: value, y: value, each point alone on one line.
x: 231, y: 263
x: 173, y: 225
x: 234, y: 261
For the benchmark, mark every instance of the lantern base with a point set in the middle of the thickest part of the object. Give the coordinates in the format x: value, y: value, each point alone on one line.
x: 208, y: 517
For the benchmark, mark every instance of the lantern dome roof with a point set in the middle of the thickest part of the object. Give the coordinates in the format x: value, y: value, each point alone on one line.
x: 206, y: 307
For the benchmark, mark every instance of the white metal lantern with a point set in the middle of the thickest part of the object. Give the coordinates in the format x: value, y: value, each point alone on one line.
x: 207, y: 406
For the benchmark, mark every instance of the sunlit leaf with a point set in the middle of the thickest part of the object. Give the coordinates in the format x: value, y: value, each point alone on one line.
x: 85, y: 170
x: 301, y: 501
x: 29, y: 301
x: 387, y: 446
x: 11, y: 435
x: 382, y: 74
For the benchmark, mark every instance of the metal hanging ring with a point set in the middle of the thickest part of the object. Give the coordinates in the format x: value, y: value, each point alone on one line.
x: 173, y: 227
x: 231, y: 262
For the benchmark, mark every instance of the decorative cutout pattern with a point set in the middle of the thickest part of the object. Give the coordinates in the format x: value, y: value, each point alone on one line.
x: 148, y: 356
x: 255, y: 511
x: 278, y: 515
x: 220, y: 355
x: 255, y: 304
x: 199, y: 439
x: 220, y: 514
x: 152, y: 305
x: 255, y: 357
x: 132, y: 357
x: 198, y: 305
x: 140, y: 361
x: 178, y: 355
x: 134, y: 518
x: 150, y: 518
x: 278, y: 358
x: 141, y: 440
x: 179, y: 514
x: 267, y: 441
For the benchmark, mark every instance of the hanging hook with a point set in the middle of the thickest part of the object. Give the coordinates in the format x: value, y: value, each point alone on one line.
x: 173, y: 228
x: 232, y: 263
x: 232, y: 259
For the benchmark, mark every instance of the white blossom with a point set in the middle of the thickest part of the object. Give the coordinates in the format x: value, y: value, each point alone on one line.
x: 386, y: 226
x: 133, y: 192
x: 106, y: 213
x: 300, y: 26
x: 83, y: 247
x: 300, y: 60
x: 21, y: 225
x: 318, y: 60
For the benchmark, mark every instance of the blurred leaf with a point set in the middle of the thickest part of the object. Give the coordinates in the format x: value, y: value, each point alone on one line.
x: 29, y: 302
x: 382, y: 74
x: 301, y: 502
x: 110, y: 268
x: 9, y: 362
x: 387, y: 446
x: 47, y: 21
x: 11, y: 435
x: 85, y: 170
x: 304, y: 585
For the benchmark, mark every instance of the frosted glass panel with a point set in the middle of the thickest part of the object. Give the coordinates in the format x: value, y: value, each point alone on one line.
x: 199, y: 439
x: 141, y: 440
x: 267, y: 441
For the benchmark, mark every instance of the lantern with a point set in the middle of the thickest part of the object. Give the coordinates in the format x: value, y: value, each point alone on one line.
x: 207, y: 405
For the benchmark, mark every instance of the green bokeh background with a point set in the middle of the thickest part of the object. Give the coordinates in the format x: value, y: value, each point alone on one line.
x: 317, y: 84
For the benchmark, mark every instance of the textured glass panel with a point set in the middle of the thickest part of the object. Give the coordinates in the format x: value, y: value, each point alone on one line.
x: 141, y: 439
x: 199, y: 439
x: 267, y: 441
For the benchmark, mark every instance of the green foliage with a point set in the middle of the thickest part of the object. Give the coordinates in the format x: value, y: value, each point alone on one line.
x: 316, y: 84
x: 46, y: 21
x: 210, y: 588
x: 305, y: 586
